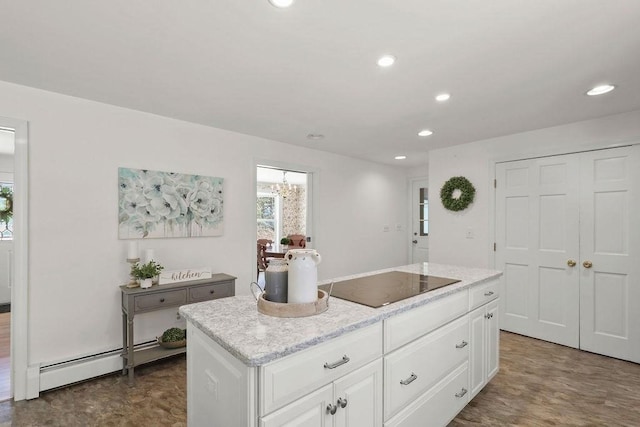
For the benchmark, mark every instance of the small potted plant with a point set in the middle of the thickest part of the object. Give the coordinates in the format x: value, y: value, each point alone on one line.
x: 285, y: 242
x: 145, y: 273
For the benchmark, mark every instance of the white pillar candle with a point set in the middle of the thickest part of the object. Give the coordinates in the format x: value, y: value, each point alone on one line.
x: 148, y: 255
x: 132, y: 252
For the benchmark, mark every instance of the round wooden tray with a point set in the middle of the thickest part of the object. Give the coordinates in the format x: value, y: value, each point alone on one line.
x: 279, y: 309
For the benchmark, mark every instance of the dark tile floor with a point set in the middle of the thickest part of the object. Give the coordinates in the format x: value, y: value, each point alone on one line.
x: 158, y: 398
x: 539, y: 384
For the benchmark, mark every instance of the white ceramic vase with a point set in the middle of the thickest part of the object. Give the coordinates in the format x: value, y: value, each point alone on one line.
x: 146, y: 283
x: 303, y: 275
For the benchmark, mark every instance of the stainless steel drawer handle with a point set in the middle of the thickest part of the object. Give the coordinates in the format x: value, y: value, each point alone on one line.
x: 331, y: 409
x: 342, y: 402
x: 463, y: 344
x: 461, y: 392
x: 334, y: 365
x: 409, y: 380
x: 488, y: 294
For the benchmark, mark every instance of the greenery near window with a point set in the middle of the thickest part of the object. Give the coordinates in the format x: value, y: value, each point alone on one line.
x: 6, y: 202
x: 424, y: 212
x: 267, y: 208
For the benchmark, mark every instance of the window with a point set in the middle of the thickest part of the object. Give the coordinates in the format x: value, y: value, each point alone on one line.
x: 267, y: 214
x: 6, y: 228
x: 424, y: 212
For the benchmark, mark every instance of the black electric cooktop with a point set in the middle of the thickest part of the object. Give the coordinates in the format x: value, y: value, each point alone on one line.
x: 381, y: 289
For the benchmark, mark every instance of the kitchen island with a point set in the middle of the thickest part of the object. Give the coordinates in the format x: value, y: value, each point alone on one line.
x: 413, y: 362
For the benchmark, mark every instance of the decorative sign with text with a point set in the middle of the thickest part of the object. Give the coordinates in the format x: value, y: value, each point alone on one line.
x: 175, y: 276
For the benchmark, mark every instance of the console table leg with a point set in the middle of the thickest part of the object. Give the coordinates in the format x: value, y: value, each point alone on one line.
x: 124, y: 343
x: 130, y: 362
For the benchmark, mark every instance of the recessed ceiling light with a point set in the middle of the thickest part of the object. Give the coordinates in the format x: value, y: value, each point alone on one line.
x: 400, y: 157
x: 386, y: 60
x: 600, y: 90
x: 315, y: 136
x: 281, y: 3
x: 443, y: 97
x: 425, y: 132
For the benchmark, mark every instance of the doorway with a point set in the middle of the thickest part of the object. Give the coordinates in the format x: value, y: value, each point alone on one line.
x: 21, y: 388
x: 283, y: 211
x: 568, y: 241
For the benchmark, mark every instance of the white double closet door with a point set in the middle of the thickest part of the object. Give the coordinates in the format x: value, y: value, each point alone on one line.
x: 568, y: 241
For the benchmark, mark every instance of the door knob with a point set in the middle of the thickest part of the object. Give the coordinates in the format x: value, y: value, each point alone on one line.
x: 415, y: 241
x: 571, y: 263
x: 587, y: 264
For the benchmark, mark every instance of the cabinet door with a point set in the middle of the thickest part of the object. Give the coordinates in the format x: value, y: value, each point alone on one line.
x: 492, y: 340
x: 477, y: 353
x: 358, y: 397
x: 310, y: 411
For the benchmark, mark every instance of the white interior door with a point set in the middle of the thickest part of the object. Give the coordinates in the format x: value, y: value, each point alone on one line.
x: 568, y: 241
x: 536, y: 238
x: 609, y: 252
x: 419, y: 221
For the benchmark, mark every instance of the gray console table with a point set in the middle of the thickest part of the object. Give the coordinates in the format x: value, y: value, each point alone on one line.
x: 158, y: 297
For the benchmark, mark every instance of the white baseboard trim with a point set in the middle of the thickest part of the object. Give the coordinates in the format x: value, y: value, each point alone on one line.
x: 61, y: 375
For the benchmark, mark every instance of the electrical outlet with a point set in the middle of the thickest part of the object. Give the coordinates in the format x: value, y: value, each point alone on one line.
x: 398, y: 227
x: 385, y: 228
x: 469, y: 233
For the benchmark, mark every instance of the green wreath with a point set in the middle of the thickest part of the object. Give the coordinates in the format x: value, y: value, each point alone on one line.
x: 467, y: 192
x: 6, y: 204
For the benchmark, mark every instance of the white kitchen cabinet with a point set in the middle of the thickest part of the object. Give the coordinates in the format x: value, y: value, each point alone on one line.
x: 409, y: 369
x: 351, y: 401
x: 285, y: 380
x: 220, y: 388
x: 439, y: 405
x: 416, y: 367
x: 309, y: 411
x: 358, y: 397
x: 484, y: 346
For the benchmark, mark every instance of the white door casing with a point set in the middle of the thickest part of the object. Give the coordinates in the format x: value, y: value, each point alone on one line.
x: 554, y: 211
x: 24, y: 378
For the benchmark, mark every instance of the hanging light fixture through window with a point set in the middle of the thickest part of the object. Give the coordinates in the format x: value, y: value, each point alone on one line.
x: 285, y: 189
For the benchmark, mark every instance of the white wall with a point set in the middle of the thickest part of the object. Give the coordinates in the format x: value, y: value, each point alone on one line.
x: 447, y: 233
x: 76, y: 259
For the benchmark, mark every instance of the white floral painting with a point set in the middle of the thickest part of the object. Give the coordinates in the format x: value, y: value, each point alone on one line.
x: 155, y: 204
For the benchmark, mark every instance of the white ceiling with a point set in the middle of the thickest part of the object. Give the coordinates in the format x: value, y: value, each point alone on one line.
x: 243, y: 65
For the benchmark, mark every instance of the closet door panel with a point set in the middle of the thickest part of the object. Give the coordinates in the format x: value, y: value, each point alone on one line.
x: 609, y: 252
x: 536, y: 234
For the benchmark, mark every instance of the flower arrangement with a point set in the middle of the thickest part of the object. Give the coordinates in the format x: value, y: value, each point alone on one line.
x: 165, y: 204
x: 146, y: 271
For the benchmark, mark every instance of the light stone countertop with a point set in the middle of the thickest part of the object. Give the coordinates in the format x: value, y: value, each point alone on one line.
x: 256, y: 339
